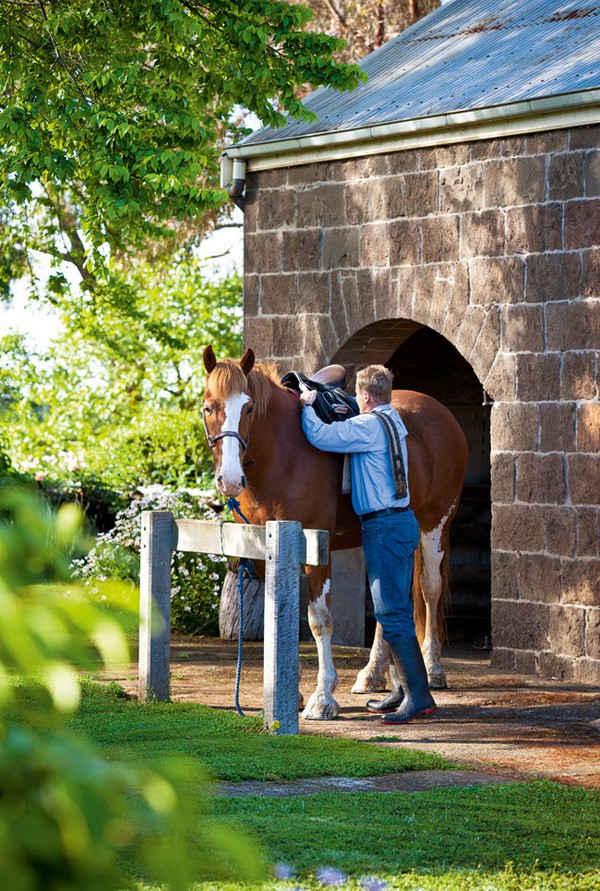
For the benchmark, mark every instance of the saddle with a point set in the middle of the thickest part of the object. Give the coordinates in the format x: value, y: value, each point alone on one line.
x: 332, y: 402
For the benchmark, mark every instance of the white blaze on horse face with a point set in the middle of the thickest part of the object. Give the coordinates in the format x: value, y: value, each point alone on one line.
x: 230, y: 475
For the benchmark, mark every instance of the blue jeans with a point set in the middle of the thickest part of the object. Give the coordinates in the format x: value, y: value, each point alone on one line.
x: 389, y: 543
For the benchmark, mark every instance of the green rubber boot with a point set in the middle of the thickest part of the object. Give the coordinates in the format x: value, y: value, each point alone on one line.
x: 390, y: 702
x: 408, y: 661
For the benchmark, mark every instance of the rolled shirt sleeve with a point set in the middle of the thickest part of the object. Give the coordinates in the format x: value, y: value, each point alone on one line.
x: 364, y: 439
x: 353, y: 435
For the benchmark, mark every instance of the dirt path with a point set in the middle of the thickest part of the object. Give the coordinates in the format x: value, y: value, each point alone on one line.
x: 505, y: 724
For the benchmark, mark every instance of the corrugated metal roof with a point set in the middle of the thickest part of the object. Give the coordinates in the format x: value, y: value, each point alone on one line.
x: 466, y: 55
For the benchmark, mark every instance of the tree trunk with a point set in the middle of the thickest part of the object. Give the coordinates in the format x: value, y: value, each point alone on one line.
x: 380, y: 33
x: 254, y: 607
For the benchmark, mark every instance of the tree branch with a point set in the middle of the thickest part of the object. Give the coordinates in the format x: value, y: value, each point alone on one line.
x: 60, y: 59
x: 342, y: 17
x: 66, y: 223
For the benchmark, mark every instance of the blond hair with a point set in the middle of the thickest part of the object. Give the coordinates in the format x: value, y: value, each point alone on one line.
x: 376, y: 380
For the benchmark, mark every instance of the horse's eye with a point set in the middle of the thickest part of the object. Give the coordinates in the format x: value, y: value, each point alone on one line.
x: 250, y: 409
x: 208, y: 410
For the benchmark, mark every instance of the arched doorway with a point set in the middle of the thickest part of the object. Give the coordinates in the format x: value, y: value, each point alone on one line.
x: 423, y: 360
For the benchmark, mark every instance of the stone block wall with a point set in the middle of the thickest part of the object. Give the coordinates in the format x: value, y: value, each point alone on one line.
x: 496, y: 246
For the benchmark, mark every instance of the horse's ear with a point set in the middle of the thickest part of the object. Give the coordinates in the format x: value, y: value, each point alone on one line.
x: 247, y: 361
x: 209, y: 357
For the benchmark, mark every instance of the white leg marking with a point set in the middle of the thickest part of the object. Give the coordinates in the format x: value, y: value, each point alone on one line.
x: 231, y: 471
x: 431, y: 546
x: 371, y: 679
x: 322, y: 705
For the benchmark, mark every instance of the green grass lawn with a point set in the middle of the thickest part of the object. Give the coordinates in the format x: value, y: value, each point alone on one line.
x: 231, y: 748
x: 537, y: 835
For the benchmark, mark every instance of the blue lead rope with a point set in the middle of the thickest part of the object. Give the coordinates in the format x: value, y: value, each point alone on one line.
x: 234, y: 505
x: 246, y: 568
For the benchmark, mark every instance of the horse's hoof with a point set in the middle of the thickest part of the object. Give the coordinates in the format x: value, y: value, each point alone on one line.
x: 369, y: 683
x: 437, y: 681
x: 321, y: 708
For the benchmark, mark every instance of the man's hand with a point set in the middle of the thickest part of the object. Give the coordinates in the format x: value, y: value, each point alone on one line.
x: 307, y: 397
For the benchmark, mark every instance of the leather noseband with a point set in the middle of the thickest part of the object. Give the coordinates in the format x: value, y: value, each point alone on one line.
x: 212, y: 440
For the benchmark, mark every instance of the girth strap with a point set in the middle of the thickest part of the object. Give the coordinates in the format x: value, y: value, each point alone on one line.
x: 393, y: 438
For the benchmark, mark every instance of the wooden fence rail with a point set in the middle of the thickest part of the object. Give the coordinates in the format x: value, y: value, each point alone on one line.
x: 283, y: 545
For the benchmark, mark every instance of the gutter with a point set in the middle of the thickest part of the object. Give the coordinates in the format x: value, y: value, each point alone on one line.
x: 233, y: 178
x: 576, y: 109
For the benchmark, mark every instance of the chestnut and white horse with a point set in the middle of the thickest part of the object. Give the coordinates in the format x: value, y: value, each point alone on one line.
x: 262, y: 457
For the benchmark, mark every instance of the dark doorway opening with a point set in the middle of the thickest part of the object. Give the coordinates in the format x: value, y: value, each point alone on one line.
x: 428, y: 363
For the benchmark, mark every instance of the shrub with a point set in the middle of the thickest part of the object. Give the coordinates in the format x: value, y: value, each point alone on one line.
x: 59, y: 479
x: 5, y: 463
x: 100, y: 503
x: 196, y: 579
x: 69, y: 818
x: 161, y: 446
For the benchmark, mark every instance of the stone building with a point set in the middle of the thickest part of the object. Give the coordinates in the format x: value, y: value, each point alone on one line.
x: 444, y: 219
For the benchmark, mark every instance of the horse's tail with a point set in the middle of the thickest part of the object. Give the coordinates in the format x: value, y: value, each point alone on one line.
x: 419, y: 601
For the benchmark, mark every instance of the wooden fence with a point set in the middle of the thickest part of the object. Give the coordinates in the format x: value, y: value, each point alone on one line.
x: 283, y: 545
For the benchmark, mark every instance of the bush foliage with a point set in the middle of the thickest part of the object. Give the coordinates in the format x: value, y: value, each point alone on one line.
x: 196, y: 579
x: 69, y: 819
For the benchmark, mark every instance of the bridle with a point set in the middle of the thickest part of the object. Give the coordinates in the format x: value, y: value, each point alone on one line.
x: 213, y: 440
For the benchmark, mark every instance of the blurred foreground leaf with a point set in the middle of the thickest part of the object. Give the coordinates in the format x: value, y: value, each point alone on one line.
x: 69, y: 819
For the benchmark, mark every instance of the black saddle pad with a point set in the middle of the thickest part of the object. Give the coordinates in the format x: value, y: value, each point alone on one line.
x: 332, y: 403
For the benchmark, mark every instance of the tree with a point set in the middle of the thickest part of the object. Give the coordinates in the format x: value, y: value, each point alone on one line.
x: 365, y: 25
x: 112, y: 116
x: 120, y: 402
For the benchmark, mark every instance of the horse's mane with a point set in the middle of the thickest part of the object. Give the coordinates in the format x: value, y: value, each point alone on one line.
x: 227, y: 377
x: 261, y: 380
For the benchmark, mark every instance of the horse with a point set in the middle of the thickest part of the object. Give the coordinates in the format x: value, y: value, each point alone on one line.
x: 262, y: 458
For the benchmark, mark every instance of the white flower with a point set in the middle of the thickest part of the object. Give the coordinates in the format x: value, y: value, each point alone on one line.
x: 283, y: 871
x: 327, y: 875
x: 371, y: 883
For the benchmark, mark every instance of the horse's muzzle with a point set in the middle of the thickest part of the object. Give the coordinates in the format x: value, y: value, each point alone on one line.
x: 230, y: 487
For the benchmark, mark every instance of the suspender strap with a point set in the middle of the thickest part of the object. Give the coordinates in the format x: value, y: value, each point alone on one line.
x: 393, y: 438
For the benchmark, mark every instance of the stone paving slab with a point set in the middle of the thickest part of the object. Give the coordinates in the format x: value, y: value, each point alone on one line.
x: 413, y: 781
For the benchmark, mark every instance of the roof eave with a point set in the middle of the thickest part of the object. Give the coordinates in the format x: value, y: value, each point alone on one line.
x: 566, y: 110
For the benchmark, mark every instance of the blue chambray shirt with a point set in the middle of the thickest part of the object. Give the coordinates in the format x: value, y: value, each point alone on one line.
x: 364, y: 439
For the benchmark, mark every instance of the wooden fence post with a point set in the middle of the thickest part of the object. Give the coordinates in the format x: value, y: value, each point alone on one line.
x: 283, y: 545
x: 155, y: 604
x: 282, y: 609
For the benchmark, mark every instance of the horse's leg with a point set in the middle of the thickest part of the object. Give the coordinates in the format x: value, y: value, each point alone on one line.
x: 304, y: 598
x: 371, y: 679
x: 434, y: 547
x: 322, y: 705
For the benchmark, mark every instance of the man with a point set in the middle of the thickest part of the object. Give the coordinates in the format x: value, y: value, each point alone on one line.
x: 390, y: 532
